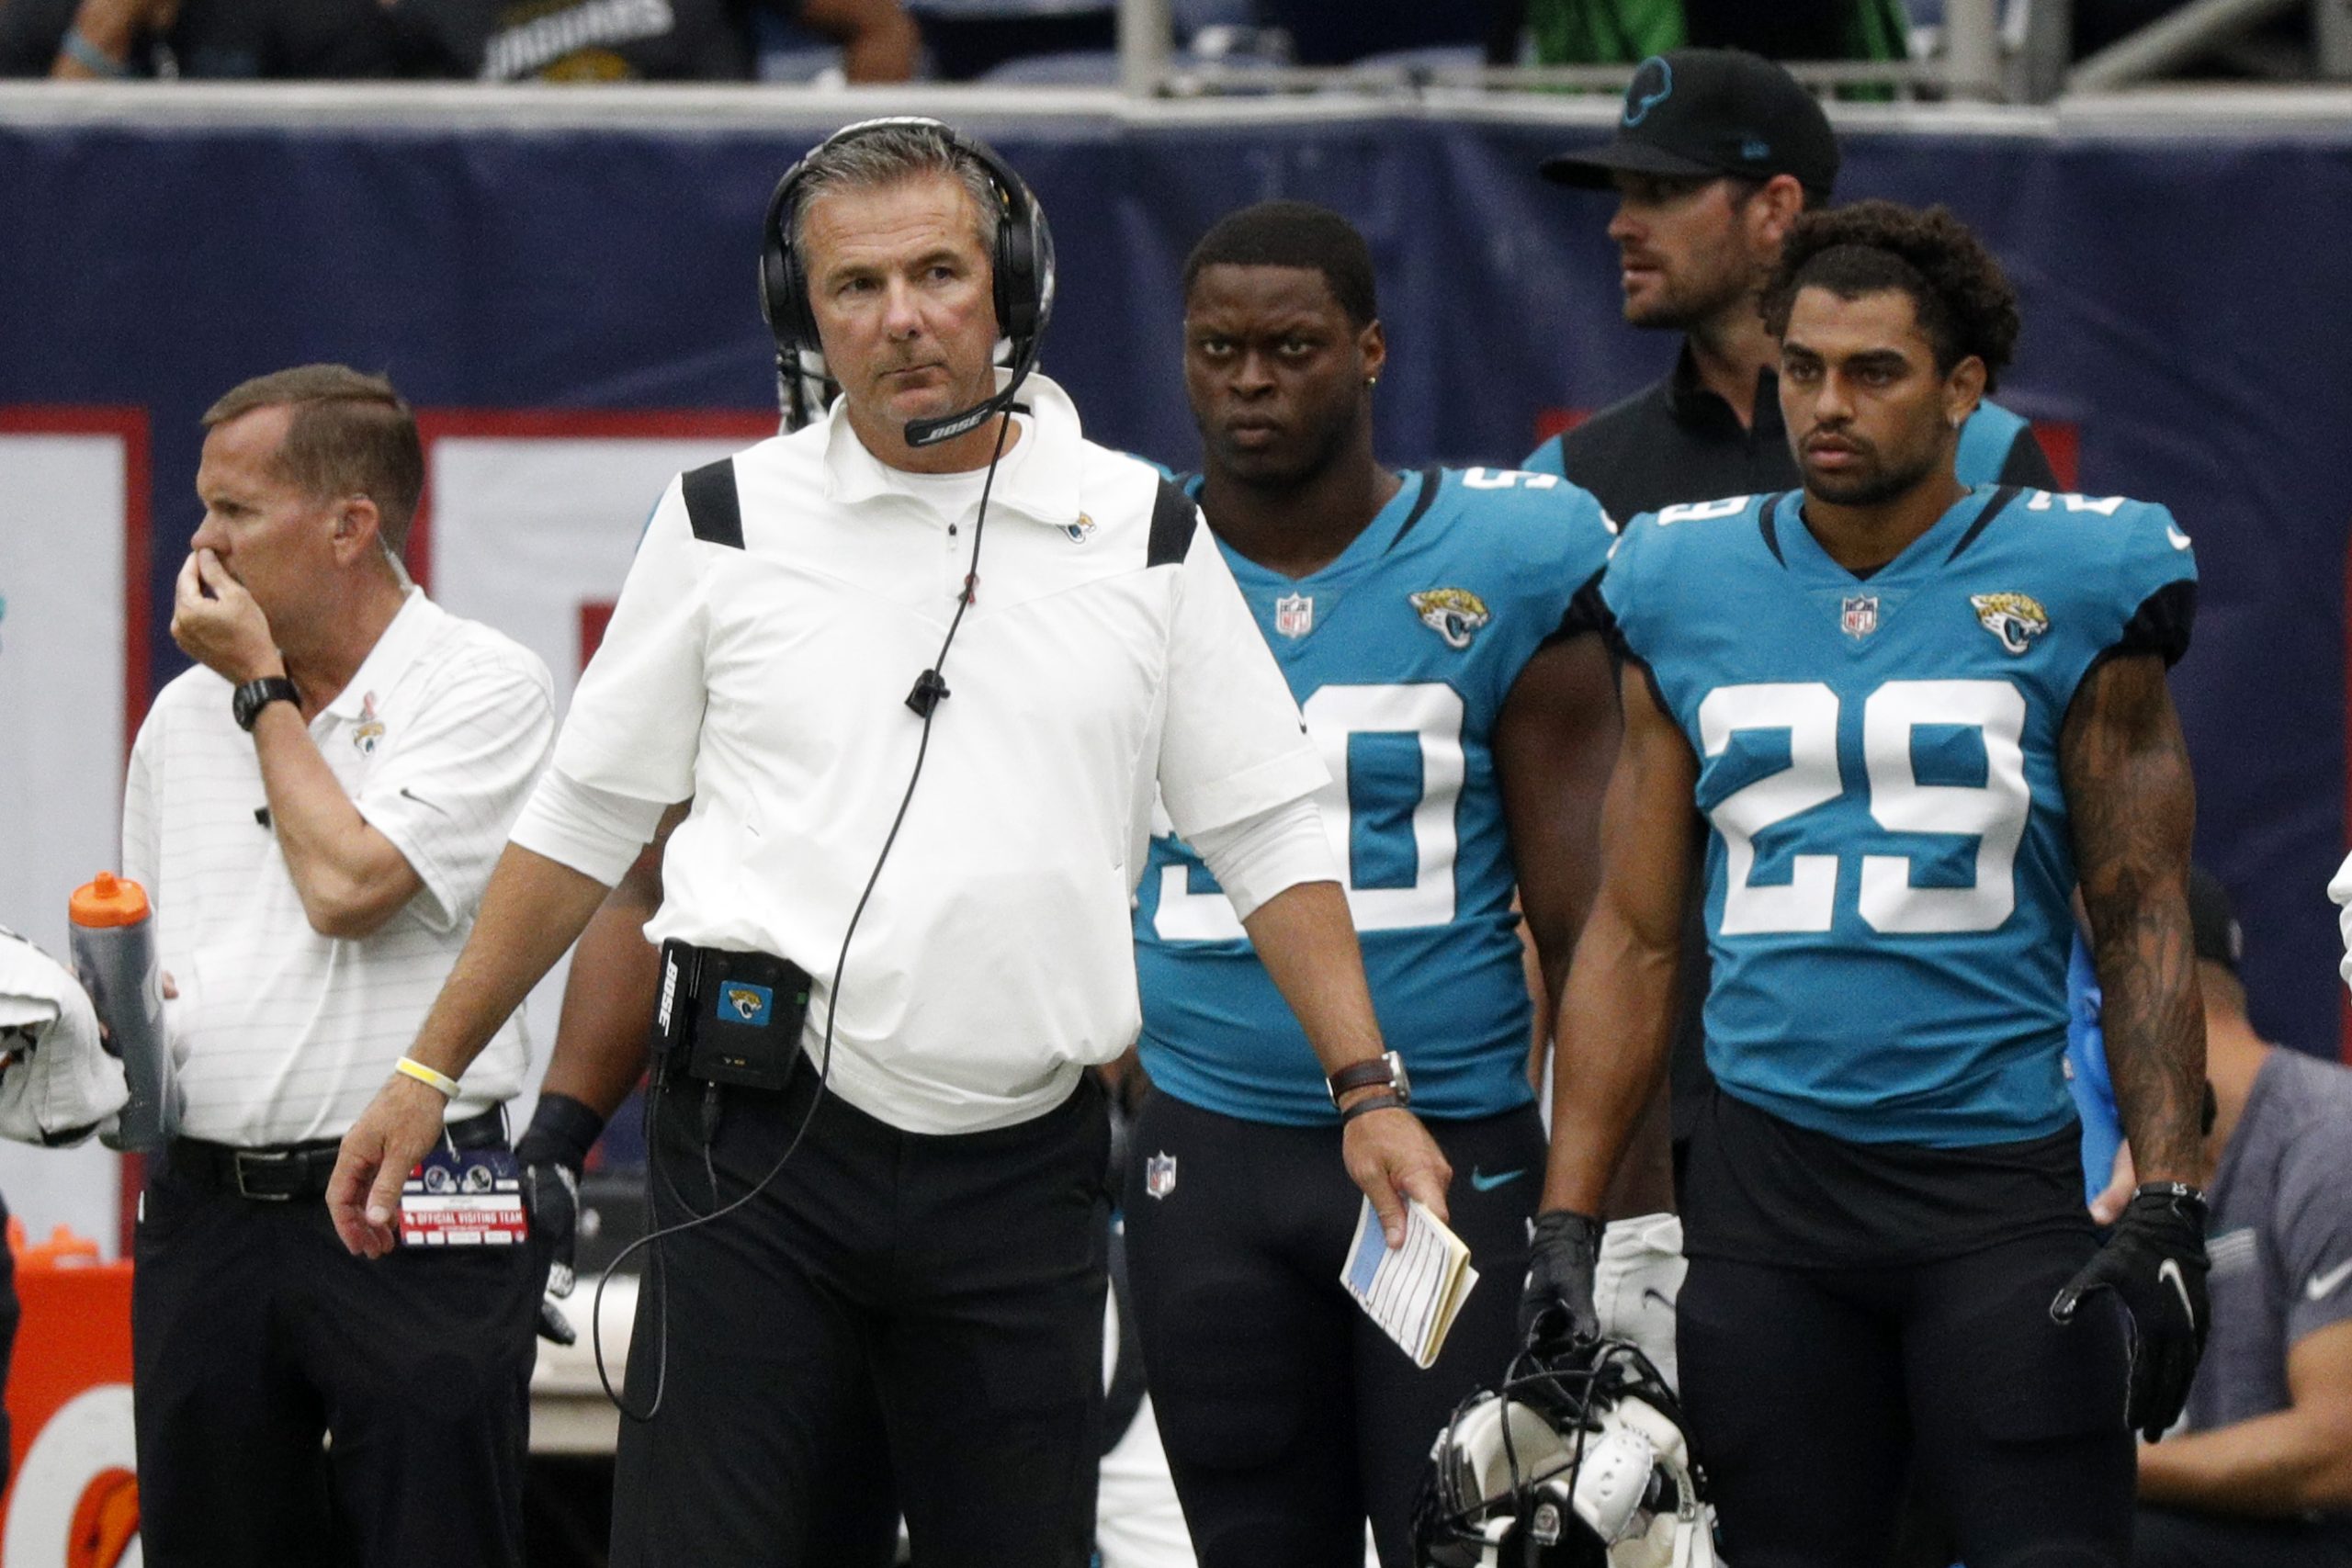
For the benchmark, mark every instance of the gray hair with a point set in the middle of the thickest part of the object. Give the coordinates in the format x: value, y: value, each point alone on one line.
x: 885, y: 156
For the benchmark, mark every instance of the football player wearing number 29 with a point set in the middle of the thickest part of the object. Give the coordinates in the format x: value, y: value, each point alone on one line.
x: 1914, y: 715
x: 1432, y: 627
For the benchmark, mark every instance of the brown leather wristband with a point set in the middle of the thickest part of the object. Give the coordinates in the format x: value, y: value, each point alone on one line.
x: 1382, y: 1101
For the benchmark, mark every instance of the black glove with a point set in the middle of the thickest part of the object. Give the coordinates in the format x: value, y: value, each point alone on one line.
x: 2155, y: 1262
x: 1557, y: 1301
x: 551, y: 1152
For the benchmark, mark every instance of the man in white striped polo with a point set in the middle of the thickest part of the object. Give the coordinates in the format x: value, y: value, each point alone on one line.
x: 315, y: 809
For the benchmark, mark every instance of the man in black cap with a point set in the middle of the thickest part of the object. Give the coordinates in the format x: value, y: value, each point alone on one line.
x: 1716, y: 154
x: 2263, y: 1471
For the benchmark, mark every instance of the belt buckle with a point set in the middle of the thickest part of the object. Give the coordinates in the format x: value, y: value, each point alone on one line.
x: 259, y: 1158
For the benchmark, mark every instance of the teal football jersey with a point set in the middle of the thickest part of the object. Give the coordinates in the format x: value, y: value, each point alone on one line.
x: 1400, y: 653
x: 1890, y: 865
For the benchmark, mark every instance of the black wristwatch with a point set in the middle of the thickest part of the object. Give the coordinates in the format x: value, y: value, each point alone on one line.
x: 255, y: 695
x: 1386, y: 1070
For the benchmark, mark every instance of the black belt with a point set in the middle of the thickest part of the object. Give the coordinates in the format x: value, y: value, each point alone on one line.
x: 282, y: 1172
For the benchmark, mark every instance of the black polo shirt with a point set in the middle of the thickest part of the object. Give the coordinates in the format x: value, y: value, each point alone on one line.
x: 1676, y: 441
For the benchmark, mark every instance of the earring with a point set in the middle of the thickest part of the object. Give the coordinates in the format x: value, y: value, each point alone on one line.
x: 1372, y: 381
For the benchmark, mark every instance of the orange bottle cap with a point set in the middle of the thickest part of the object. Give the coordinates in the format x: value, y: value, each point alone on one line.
x: 108, y: 900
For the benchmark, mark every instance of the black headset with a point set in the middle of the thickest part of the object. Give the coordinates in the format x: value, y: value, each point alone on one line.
x: 1022, y: 278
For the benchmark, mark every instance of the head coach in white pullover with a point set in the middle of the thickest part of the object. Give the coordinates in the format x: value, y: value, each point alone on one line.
x: 314, y: 810
x: 921, y: 669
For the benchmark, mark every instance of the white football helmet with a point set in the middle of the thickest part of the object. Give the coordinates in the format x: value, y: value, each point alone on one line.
x: 1578, y: 1458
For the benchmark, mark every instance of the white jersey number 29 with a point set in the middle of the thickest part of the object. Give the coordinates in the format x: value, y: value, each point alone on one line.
x: 1994, y: 813
x: 1430, y: 711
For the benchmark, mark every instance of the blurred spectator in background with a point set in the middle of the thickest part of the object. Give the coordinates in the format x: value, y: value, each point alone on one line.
x: 1606, y: 32
x: 102, y: 40
x: 2263, y: 1473
x: 706, y: 41
x: 493, y: 40
x: 969, y: 39
x: 1335, y: 32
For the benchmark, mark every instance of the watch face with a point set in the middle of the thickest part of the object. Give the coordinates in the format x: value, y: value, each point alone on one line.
x: 246, y: 702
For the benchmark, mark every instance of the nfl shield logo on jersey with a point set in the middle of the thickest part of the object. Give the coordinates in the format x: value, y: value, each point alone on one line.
x: 1294, y: 617
x: 1857, y: 615
x: 1159, y: 1173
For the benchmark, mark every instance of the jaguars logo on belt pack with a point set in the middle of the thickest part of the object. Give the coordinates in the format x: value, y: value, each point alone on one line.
x: 2014, y: 618
x: 1454, y: 614
x: 749, y: 1004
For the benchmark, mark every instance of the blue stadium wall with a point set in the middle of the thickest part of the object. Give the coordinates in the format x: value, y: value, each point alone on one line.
x: 2187, y: 309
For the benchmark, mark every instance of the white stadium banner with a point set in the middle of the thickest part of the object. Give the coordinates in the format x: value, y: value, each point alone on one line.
x: 530, y: 522
x: 73, y: 627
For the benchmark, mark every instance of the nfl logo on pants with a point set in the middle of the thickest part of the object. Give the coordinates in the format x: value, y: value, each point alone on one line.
x: 1159, y: 1175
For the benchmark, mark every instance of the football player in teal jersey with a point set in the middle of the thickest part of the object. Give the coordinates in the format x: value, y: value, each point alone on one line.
x: 1914, y: 715
x: 1436, y: 627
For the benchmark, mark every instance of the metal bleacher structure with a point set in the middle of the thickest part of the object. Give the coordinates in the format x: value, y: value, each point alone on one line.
x: 1981, y: 50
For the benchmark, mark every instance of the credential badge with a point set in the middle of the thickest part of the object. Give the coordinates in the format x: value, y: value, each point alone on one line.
x: 2014, y: 618
x: 1857, y: 615
x: 1159, y: 1173
x: 1294, y: 617
x: 1454, y: 614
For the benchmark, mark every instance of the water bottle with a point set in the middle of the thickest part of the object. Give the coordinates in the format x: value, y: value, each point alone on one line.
x: 114, y: 957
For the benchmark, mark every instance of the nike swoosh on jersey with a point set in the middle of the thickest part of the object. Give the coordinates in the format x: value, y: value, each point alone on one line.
x: 2319, y: 1287
x: 1485, y: 1183
x: 2179, y: 540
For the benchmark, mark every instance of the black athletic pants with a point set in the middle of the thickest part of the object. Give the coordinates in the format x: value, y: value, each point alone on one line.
x: 955, y: 1282
x: 254, y: 1334
x: 2181, y: 1538
x: 1809, y: 1391
x: 1288, y: 1418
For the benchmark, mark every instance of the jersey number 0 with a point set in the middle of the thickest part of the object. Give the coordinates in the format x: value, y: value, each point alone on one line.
x: 1430, y: 713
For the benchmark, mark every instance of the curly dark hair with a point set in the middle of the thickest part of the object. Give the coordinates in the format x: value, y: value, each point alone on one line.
x: 1964, y: 300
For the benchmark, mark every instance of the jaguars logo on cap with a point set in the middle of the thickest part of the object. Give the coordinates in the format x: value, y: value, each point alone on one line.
x: 1454, y: 614
x: 1653, y: 83
x: 2014, y: 618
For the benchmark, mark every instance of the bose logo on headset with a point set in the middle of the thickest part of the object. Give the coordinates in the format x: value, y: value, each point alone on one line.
x: 1021, y: 270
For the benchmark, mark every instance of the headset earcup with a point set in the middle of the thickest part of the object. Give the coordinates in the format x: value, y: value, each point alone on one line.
x: 1016, y: 276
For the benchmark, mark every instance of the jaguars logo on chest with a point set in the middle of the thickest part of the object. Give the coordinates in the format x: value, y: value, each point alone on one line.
x: 1456, y: 615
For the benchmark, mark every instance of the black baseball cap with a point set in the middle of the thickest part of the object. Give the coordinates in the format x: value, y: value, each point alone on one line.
x: 1711, y: 111
x: 2213, y: 929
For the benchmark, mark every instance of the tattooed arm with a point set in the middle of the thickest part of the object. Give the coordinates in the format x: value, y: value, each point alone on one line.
x: 2133, y: 805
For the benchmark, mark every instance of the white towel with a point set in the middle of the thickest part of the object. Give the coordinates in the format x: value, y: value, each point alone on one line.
x: 57, y: 1082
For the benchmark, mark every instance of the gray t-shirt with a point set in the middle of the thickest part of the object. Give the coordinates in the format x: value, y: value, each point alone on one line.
x: 2281, y: 1237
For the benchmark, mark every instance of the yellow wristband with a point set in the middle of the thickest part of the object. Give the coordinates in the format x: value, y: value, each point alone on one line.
x: 424, y: 1075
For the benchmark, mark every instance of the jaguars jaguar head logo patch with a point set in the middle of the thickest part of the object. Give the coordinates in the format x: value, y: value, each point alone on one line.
x: 2014, y: 618
x: 1454, y: 614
